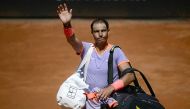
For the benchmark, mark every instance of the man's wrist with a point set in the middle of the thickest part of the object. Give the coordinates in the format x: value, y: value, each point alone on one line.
x: 118, y: 84
x: 67, y: 25
x: 69, y: 32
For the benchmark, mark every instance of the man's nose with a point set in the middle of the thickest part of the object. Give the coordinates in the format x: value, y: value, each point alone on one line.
x: 100, y: 34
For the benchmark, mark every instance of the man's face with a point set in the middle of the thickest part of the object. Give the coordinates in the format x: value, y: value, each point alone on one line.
x: 100, y: 33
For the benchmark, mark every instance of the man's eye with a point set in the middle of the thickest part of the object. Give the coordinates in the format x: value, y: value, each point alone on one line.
x: 96, y: 31
x: 104, y: 30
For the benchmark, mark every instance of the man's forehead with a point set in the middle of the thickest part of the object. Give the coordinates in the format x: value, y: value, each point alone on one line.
x: 99, y: 24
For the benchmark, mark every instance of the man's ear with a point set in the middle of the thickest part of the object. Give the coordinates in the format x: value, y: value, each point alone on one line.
x: 92, y: 31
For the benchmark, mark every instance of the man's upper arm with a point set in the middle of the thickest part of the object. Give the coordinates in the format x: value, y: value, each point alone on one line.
x: 121, y: 60
x: 123, y: 66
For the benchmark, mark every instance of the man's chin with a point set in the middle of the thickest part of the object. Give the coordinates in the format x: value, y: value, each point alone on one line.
x: 102, y: 42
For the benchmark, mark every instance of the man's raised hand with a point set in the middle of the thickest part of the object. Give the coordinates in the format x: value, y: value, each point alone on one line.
x: 64, y: 14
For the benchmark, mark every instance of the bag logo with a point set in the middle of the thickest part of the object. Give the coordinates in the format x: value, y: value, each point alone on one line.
x: 72, y: 92
x: 137, y: 107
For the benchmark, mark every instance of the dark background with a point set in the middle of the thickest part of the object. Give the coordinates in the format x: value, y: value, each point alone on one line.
x: 98, y: 8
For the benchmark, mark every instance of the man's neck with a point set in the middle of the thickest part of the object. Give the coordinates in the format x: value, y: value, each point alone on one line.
x: 101, y: 47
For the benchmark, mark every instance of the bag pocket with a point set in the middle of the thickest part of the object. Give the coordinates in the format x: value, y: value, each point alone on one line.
x: 132, y: 97
x: 145, y: 101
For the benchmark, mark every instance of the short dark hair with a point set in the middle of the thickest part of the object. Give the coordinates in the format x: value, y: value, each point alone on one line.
x: 99, y: 20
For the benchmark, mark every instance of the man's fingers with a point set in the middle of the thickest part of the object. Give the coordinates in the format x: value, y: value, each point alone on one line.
x: 58, y: 12
x: 59, y: 8
x: 62, y: 8
x: 65, y: 6
x: 102, y: 95
x: 71, y: 11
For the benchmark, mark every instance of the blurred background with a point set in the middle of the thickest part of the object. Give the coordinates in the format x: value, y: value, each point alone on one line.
x: 35, y: 57
x: 103, y: 8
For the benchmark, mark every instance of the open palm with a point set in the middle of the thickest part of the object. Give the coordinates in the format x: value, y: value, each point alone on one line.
x: 64, y: 14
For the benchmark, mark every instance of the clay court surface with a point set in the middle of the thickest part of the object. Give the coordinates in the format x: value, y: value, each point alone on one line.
x: 35, y: 58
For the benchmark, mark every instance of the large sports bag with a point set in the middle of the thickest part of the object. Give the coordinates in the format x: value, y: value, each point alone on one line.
x: 133, y: 96
x: 71, y: 91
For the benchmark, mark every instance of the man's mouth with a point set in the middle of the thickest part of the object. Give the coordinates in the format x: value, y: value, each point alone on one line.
x: 100, y: 39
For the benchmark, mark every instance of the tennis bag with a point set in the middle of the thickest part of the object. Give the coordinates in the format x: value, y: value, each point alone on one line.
x: 71, y: 91
x: 133, y: 96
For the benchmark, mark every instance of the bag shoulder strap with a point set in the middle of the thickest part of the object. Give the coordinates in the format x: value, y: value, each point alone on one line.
x: 110, y: 68
x: 110, y: 65
x: 146, y: 81
x: 85, y: 62
x: 86, y: 57
x: 129, y: 70
x: 88, y: 60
